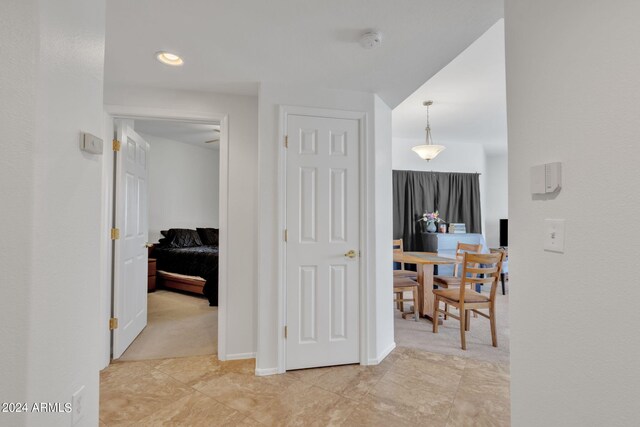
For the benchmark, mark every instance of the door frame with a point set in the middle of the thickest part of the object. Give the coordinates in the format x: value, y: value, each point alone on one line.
x: 363, y: 306
x: 114, y: 112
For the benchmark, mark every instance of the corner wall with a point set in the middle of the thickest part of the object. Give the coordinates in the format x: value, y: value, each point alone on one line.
x: 573, y: 90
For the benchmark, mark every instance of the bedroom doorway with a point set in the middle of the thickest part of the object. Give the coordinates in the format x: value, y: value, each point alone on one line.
x: 165, y: 298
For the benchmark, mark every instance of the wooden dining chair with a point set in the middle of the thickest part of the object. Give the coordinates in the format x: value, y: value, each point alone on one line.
x: 504, y: 266
x: 454, y: 281
x: 400, y: 286
x: 476, y: 269
x: 398, y: 248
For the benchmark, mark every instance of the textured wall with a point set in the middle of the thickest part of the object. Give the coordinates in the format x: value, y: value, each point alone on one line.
x: 573, y: 90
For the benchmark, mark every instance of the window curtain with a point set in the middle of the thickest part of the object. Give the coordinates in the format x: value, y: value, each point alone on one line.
x: 455, y: 195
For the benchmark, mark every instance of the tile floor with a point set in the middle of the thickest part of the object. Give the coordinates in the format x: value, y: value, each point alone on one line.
x: 410, y: 387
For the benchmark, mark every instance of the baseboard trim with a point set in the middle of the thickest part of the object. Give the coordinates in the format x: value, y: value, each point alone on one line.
x: 240, y: 356
x: 382, y: 355
x: 266, y: 371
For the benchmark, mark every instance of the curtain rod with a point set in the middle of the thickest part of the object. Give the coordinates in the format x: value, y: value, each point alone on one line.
x: 471, y: 173
x: 409, y: 170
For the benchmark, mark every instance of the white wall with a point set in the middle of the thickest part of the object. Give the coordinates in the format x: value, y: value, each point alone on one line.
x: 379, y: 221
x: 573, y: 90
x: 457, y: 157
x: 239, y: 316
x: 53, y: 80
x: 20, y: 35
x: 497, y: 206
x: 183, y: 185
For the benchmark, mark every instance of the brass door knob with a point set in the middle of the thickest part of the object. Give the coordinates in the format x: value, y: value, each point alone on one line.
x: 351, y: 254
x: 148, y: 245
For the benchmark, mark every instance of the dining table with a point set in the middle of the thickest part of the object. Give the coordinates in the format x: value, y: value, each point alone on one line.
x: 424, y: 262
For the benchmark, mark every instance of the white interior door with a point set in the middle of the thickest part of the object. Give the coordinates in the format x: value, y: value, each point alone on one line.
x: 130, y: 252
x: 322, y: 217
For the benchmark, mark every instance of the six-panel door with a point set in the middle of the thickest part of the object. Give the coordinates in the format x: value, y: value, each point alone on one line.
x: 322, y: 249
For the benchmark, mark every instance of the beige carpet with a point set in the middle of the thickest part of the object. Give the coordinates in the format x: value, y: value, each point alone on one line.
x: 447, y: 341
x: 178, y: 325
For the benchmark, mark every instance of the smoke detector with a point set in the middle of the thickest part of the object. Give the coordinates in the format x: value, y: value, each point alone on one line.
x: 371, y: 40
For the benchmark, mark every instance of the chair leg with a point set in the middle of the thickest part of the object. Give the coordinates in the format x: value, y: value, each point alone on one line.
x: 463, y: 321
x: 492, y: 320
x: 415, y: 303
x: 502, y: 280
x: 467, y: 323
x: 446, y: 310
x: 434, y: 319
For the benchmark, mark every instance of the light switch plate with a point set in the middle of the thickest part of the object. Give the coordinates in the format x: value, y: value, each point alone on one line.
x: 77, y: 406
x: 554, y: 235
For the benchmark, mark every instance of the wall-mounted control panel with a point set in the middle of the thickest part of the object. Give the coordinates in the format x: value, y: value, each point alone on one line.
x: 91, y: 144
x: 546, y: 178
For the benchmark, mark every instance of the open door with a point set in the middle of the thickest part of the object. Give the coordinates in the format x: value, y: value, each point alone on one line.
x: 130, y: 256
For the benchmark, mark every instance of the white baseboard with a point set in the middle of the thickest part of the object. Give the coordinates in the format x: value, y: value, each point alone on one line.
x: 382, y: 355
x: 266, y: 371
x: 240, y: 356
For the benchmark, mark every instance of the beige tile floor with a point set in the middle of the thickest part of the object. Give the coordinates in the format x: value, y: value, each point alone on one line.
x: 410, y: 387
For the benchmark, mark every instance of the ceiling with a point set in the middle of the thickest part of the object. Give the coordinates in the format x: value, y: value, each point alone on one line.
x: 190, y: 133
x: 469, y: 98
x: 230, y: 46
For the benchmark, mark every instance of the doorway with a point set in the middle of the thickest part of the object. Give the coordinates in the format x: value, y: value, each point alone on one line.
x: 202, y: 325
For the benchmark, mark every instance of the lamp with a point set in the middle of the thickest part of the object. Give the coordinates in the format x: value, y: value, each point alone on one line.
x: 428, y: 151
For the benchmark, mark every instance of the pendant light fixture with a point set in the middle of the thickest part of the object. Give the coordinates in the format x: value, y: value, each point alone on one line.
x: 428, y: 151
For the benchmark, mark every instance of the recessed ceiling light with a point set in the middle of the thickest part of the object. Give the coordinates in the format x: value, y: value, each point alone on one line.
x: 169, y: 58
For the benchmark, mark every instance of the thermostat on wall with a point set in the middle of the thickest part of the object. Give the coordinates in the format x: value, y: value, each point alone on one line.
x: 546, y: 178
x: 91, y: 144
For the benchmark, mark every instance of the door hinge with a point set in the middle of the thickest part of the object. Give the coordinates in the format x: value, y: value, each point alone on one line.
x: 286, y: 235
x: 285, y: 332
x: 113, y: 323
x: 115, y: 145
x: 286, y: 141
x: 115, y: 233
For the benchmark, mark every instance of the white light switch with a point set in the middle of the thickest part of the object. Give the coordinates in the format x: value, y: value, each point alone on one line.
x: 554, y: 235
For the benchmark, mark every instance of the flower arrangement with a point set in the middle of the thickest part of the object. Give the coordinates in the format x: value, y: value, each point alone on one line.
x: 431, y: 218
x: 429, y: 221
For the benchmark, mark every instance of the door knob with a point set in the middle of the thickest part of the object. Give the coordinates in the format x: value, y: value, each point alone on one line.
x: 148, y: 245
x: 351, y: 254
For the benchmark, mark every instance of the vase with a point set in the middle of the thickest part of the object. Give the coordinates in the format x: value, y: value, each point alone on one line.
x: 431, y: 227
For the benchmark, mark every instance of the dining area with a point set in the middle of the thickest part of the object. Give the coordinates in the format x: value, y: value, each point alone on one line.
x: 432, y: 290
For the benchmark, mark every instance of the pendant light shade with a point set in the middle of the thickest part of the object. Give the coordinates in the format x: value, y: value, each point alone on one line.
x: 429, y: 150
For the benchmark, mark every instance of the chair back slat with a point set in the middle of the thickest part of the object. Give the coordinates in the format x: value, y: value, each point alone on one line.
x: 478, y: 280
x: 461, y: 249
x: 481, y: 269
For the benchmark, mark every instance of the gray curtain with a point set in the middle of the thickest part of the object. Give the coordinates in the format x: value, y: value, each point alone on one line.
x: 455, y: 195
